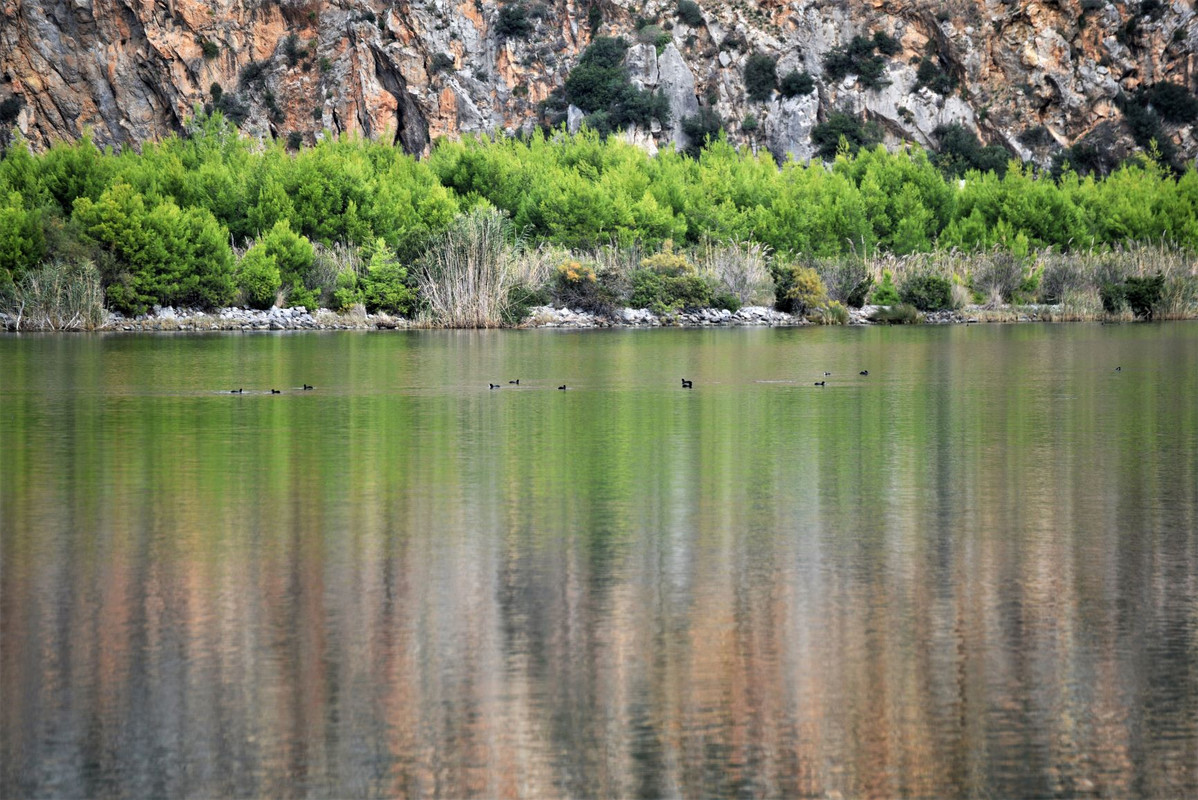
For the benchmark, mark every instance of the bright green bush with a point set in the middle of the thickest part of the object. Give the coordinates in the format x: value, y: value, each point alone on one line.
x: 384, y: 286
x: 885, y: 294
x: 258, y: 278
x: 927, y: 292
x: 161, y: 255
x: 22, y: 242
x: 666, y: 294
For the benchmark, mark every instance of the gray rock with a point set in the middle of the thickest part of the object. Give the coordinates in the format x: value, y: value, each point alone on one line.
x: 788, y: 127
x: 574, y: 118
x: 641, y: 60
x: 678, y: 85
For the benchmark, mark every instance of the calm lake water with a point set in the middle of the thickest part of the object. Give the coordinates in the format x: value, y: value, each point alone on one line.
x: 973, y: 572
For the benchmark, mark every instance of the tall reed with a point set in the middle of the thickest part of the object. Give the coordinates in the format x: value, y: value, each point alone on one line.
x: 59, y: 296
x: 467, y: 275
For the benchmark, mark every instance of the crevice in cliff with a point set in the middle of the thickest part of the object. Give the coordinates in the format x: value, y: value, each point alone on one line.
x: 411, y: 128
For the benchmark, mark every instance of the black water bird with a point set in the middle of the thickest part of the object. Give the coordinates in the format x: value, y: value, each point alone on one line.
x: 515, y: 382
x: 863, y: 372
x: 493, y: 385
x: 826, y: 374
x: 687, y: 384
x: 1118, y: 369
x: 236, y: 391
x: 308, y: 387
x: 562, y: 388
x: 275, y: 391
x: 820, y: 383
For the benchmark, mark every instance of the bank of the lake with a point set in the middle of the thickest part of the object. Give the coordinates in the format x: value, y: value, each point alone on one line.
x: 300, y: 319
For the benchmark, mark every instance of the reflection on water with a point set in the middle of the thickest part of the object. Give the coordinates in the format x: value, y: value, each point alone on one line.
x: 972, y: 572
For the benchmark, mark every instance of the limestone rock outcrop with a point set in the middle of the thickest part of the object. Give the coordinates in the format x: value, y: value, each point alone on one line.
x: 1032, y: 75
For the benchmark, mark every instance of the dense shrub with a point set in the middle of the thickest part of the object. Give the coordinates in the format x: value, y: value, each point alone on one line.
x: 798, y: 289
x: 761, y: 77
x: 1113, y: 297
x: 1144, y: 295
x: 666, y: 294
x: 826, y: 136
x: 157, y: 255
x: 668, y: 282
x: 22, y: 241
x: 701, y: 128
x: 932, y: 74
x: 858, y: 58
x: 796, y: 83
x: 600, y: 84
x: 513, y: 21
x: 1173, y: 102
x: 960, y: 151
x: 580, y: 286
x: 927, y: 292
x: 294, y: 256
x: 690, y: 13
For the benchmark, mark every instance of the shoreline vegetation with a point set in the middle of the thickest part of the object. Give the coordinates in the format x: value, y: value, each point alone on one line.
x: 573, y: 231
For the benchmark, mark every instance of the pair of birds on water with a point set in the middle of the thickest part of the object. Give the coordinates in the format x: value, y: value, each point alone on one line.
x: 516, y: 382
x: 307, y: 388
x: 826, y: 374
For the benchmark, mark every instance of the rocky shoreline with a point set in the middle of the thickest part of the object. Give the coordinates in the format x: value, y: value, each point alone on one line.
x: 300, y: 319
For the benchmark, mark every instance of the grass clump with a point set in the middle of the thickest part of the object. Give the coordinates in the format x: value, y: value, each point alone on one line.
x: 901, y: 314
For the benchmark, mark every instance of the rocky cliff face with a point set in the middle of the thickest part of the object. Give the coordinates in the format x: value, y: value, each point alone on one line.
x: 1033, y: 75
